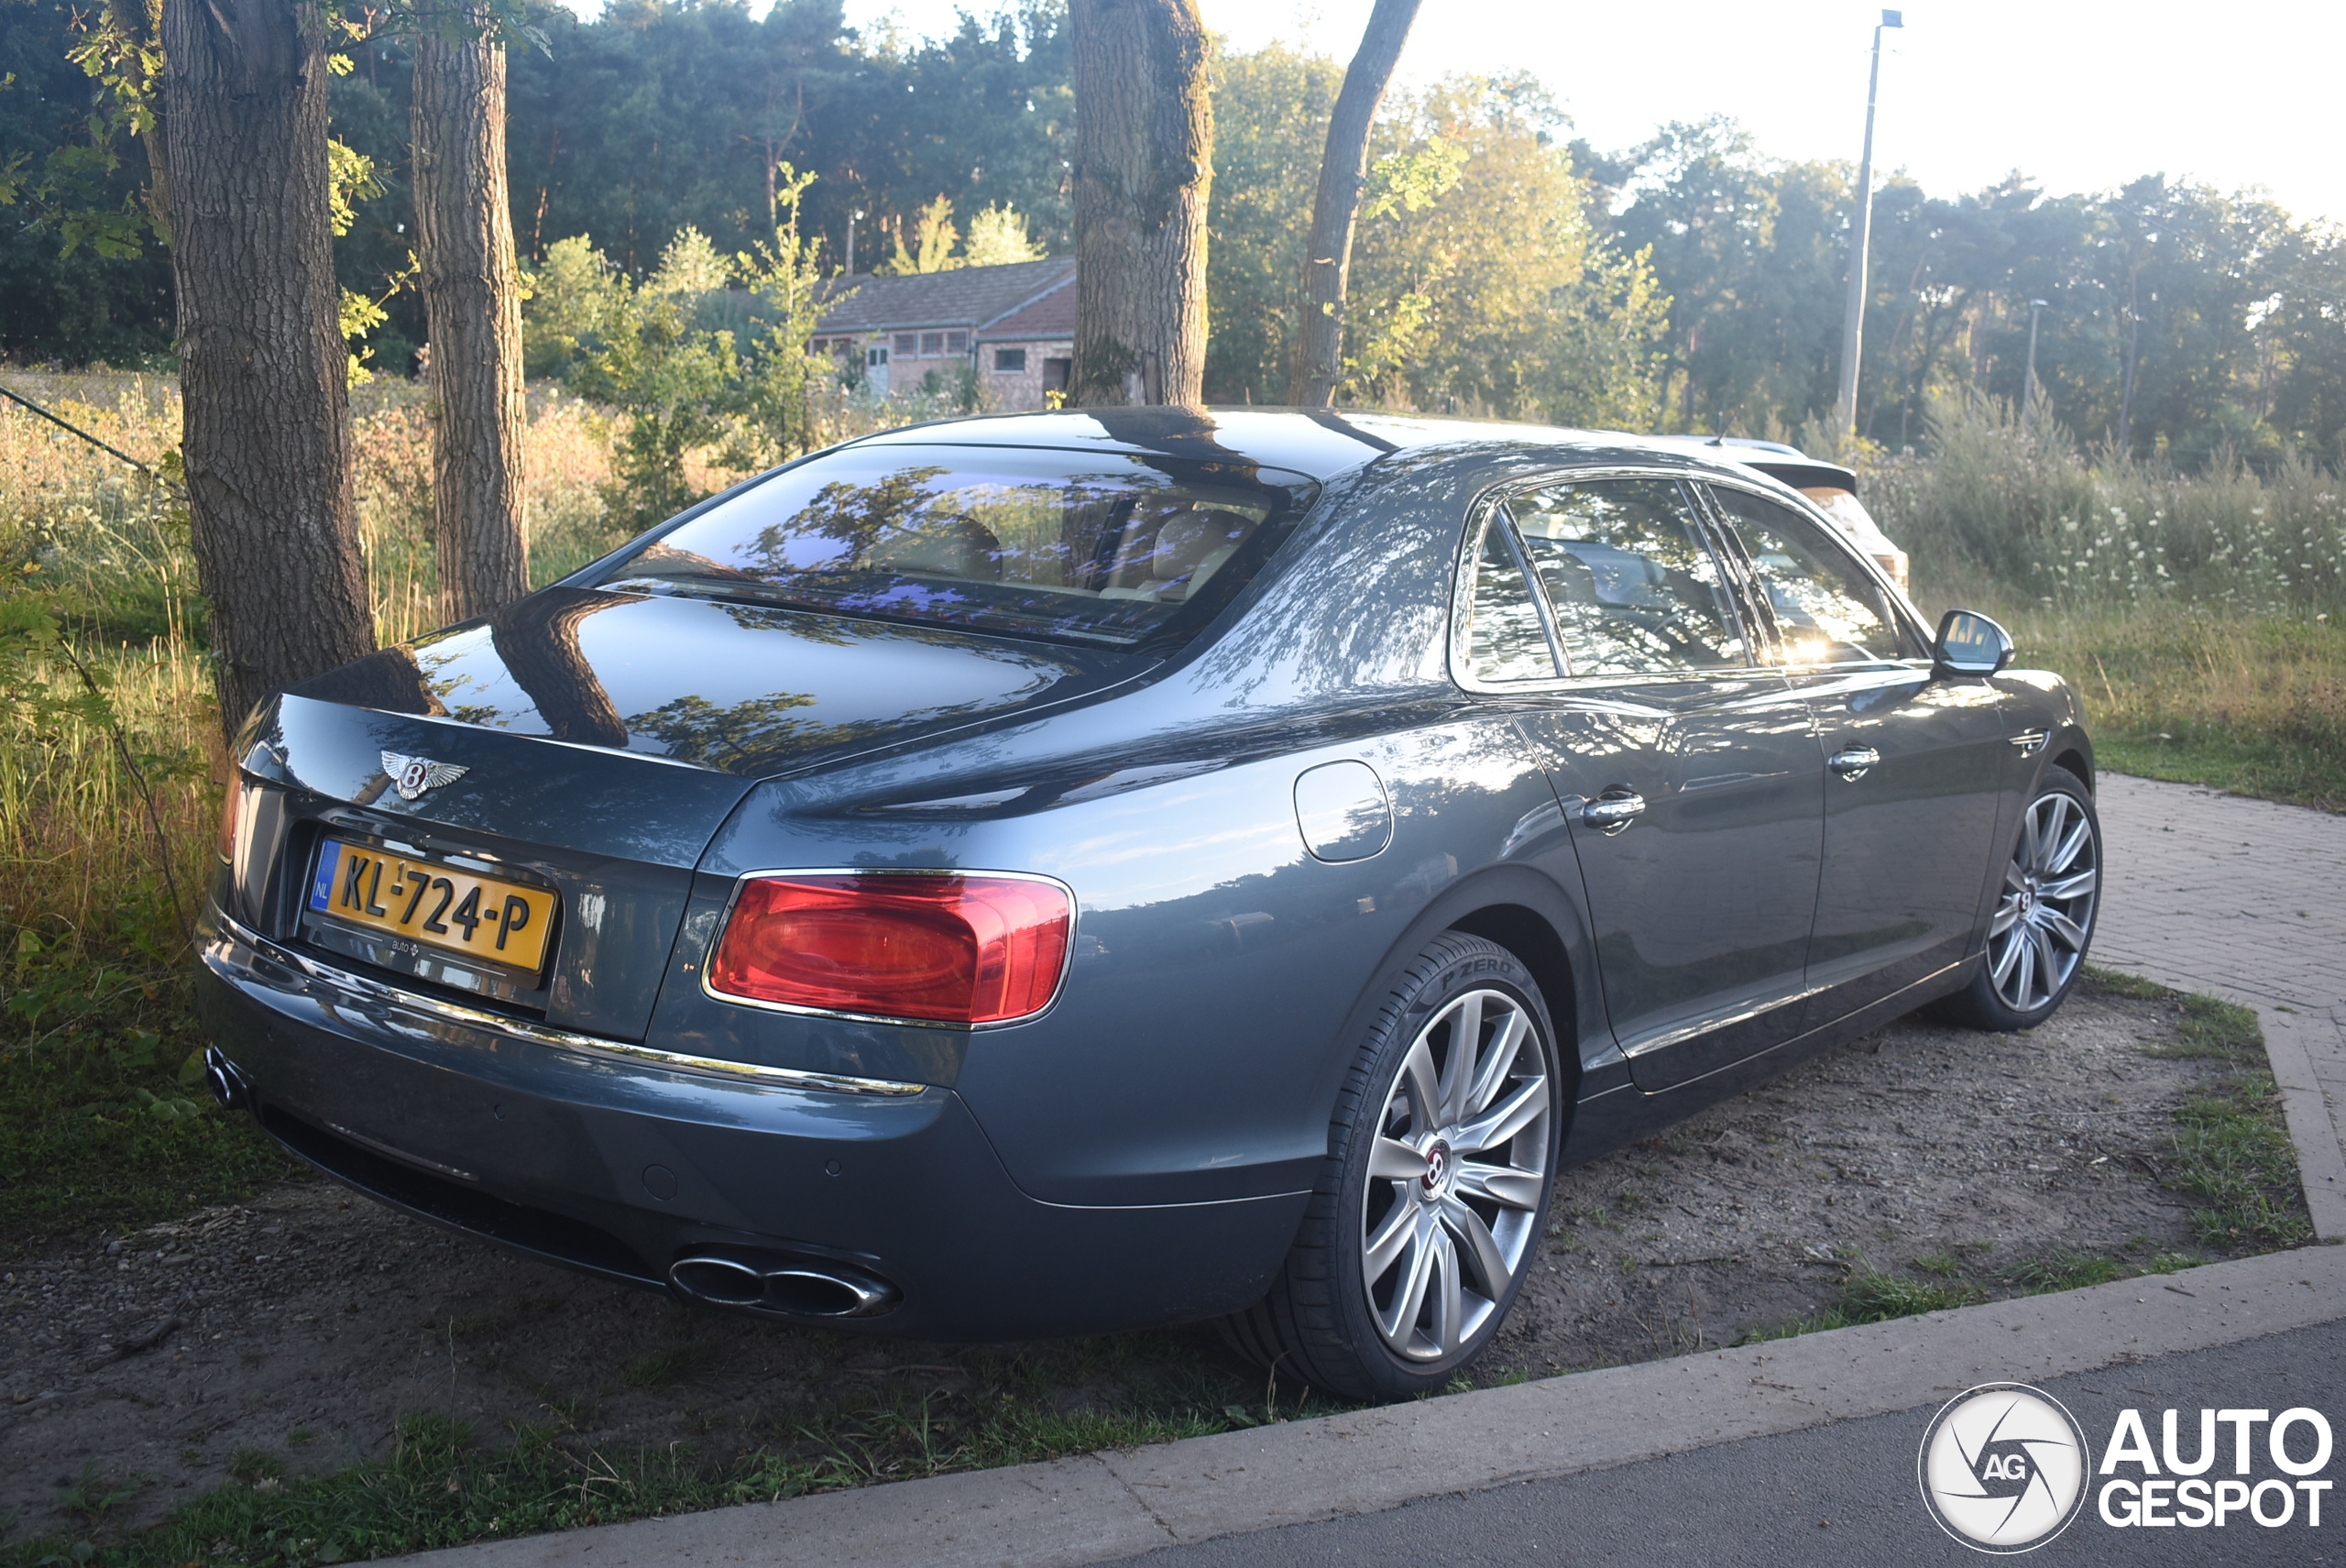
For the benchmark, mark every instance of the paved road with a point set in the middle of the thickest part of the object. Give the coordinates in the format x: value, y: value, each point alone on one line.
x: 1843, y: 1493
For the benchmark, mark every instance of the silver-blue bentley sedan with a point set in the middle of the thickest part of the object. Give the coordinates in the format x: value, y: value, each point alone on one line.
x: 1062, y: 873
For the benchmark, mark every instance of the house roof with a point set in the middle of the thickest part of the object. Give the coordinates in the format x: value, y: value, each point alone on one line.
x: 965, y: 297
x: 1053, y: 315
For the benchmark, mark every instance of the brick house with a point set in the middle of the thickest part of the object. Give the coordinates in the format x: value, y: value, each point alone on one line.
x: 1014, y: 325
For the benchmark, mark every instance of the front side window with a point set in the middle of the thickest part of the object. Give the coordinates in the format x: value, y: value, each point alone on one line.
x: 907, y: 344
x: 1503, y: 639
x: 1094, y: 548
x: 1826, y: 609
x: 1635, y: 588
x: 1009, y: 360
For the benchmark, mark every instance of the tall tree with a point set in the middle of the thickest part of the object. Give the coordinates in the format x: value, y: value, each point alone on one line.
x: 1143, y: 171
x: 472, y: 306
x: 1344, y: 171
x: 265, y: 433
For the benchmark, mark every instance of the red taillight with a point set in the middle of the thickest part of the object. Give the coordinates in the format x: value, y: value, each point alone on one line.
x: 960, y: 949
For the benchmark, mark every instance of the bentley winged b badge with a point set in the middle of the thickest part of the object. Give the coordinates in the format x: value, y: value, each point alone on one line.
x: 413, y: 776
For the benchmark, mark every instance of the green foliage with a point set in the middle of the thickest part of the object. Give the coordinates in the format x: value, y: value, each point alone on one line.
x: 1478, y: 283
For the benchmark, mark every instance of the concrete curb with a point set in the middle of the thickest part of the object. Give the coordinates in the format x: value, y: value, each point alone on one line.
x: 1099, y: 1507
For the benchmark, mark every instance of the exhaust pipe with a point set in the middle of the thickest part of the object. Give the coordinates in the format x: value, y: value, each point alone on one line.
x: 782, y: 1287
x: 227, y: 1084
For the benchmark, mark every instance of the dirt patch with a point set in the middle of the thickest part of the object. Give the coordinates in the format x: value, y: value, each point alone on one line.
x: 284, y: 1337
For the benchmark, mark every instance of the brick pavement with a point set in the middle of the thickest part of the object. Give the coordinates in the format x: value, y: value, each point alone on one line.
x: 2244, y: 900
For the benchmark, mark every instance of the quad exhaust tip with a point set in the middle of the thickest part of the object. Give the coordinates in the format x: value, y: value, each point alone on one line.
x: 792, y: 1286
x: 227, y: 1084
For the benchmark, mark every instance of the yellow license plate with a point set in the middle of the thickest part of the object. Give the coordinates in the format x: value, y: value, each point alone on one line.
x: 482, y: 917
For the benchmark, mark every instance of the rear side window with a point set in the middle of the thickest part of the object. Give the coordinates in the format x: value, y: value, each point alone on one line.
x: 1827, y: 608
x: 1095, y: 548
x: 1505, y: 640
x: 1634, y: 586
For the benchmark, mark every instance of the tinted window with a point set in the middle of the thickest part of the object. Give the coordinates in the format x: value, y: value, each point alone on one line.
x: 1058, y: 544
x: 1505, y: 640
x: 1827, y: 611
x: 1635, y: 588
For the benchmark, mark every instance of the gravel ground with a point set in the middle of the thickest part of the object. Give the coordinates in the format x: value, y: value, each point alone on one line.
x: 301, y: 1324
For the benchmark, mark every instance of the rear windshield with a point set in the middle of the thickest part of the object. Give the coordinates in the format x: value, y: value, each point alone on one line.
x: 1062, y: 545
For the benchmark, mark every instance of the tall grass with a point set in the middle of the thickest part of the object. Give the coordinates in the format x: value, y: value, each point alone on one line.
x: 2202, y: 616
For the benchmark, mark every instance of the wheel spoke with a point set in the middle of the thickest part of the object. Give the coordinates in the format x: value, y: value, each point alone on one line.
x: 1506, y: 1040
x: 1391, y: 1237
x: 1424, y: 1090
x: 1395, y: 1161
x: 1465, y: 1052
x: 2049, y: 831
x: 2023, y: 971
x: 1478, y: 1248
x: 2071, y: 934
x: 1506, y: 1119
x: 2075, y: 885
x: 1417, y: 1269
x: 2048, y: 962
x: 2014, y: 877
x: 1502, y: 1184
x: 1448, y: 1325
x: 2064, y: 854
x: 2006, y: 958
x: 2007, y: 911
x: 2028, y: 837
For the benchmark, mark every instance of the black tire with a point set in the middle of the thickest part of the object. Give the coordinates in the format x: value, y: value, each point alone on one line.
x: 1989, y: 1002
x: 1320, y: 1320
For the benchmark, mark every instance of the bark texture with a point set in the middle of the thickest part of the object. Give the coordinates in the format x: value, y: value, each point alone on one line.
x: 1144, y: 168
x: 265, y: 431
x: 1344, y: 171
x: 472, y: 311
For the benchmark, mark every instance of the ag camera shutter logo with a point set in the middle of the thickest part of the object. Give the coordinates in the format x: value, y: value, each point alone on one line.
x: 2004, y: 1467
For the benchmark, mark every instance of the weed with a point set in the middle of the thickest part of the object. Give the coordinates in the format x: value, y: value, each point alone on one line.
x: 669, y: 1364
x: 2067, y: 1271
x: 1943, y: 1264
x: 2115, y: 983
x: 252, y: 1465
x: 2232, y: 1151
x: 92, y: 1497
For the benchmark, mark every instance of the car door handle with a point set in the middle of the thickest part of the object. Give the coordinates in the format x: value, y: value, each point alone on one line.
x: 1854, y: 764
x: 1612, y: 810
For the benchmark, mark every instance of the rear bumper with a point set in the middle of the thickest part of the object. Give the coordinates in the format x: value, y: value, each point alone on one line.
x: 600, y: 1157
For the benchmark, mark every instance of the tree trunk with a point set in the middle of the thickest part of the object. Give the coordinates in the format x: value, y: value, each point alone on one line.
x: 1144, y: 166
x: 472, y: 312
x: 1344, y: 170
x: 265, y: 428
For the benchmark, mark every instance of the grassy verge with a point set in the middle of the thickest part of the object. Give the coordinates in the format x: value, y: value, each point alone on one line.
x: 442, y: 1484
x: 2230, y: 1149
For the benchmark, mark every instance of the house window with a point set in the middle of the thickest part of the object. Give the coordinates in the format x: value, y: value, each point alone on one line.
x: 1010, y: 361
x: 907, y: 344
x: 957, y: 343
x: 932, y: 343
x: 877, y: 354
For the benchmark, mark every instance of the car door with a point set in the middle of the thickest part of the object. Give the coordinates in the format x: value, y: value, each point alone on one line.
x: 1916, y: 762
x: 1690, y: 774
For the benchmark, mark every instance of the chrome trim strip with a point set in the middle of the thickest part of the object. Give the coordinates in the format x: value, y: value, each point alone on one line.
x: 1067, y: 959
x: 591, y: 1045
x: 364, y: 1142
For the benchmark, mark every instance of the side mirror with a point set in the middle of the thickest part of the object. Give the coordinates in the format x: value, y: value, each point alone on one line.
x: 1971, y: 645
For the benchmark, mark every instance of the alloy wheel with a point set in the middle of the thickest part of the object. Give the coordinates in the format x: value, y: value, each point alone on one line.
x: 2044, y: 914
x: 1456, y: 1176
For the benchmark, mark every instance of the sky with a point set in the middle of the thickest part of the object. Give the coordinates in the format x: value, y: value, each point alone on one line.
x: 2081, y: 98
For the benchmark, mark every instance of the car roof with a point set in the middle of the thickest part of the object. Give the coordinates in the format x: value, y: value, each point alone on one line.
x: 1319, y: 443
x: 1774, y: 458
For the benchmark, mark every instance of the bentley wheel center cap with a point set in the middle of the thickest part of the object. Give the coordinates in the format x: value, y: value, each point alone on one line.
x: 1436, y: 1179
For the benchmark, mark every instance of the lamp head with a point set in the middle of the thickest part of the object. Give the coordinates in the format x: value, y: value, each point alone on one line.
x: 1893, y: 18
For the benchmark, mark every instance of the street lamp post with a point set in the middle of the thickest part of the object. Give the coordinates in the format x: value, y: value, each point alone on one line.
x: 1853, y: 323
x: 2028, y: 386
